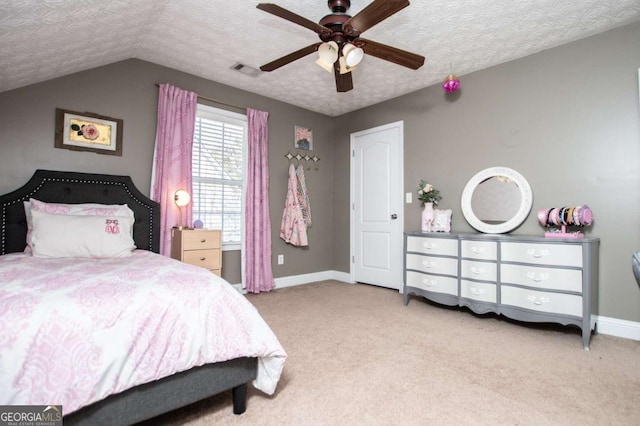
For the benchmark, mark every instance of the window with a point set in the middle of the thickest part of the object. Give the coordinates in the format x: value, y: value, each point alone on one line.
x: 218, y: 172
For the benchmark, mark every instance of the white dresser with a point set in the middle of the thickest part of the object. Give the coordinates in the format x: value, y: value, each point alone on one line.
x: 533, y: 279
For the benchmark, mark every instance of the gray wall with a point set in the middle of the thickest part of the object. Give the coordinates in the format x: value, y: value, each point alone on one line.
x: 566, y: 118
x: 127, y: 90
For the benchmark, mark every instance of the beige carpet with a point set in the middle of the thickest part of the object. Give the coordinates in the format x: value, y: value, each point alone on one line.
x: 357, y: 356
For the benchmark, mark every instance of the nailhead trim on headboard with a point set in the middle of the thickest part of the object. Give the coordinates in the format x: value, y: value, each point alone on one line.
x: 18, y: 196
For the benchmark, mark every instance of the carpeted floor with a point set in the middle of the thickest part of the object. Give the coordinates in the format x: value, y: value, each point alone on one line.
x: 357, y: 356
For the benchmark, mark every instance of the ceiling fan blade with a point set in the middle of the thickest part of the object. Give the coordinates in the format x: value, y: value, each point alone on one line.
x: 283, y: 13
x: 290, y: 57
x: 376, y: 12
x: 391, y: 54
x: 344, y: 82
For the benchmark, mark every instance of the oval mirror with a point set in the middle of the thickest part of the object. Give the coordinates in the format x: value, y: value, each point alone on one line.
x: 496, y: 200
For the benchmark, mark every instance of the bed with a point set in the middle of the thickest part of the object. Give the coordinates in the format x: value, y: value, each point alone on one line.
x: 185, y: 384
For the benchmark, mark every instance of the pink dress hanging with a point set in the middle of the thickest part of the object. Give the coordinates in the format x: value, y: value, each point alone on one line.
x: 293, y: 229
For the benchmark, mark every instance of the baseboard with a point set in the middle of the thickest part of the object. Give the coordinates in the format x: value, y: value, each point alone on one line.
x: 618, y: 327
x: 313, y: 277
x: 605, y: 325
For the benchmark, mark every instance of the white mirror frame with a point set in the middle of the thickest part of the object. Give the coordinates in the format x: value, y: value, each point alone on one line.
x: 516, y: 220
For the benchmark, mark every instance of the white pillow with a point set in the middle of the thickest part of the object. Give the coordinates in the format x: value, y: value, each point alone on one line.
x: 87, y: 209
x: 56, y: 235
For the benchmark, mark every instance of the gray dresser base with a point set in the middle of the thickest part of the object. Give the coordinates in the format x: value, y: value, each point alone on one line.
x: 530, y: 279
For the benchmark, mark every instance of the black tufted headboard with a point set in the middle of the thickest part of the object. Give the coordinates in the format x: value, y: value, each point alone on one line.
x: 75, y: 188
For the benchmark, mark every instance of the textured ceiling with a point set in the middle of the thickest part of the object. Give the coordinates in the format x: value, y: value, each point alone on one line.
x: 44, y: 39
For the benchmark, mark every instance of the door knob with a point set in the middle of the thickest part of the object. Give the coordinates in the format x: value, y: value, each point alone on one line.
x: 394, y: 216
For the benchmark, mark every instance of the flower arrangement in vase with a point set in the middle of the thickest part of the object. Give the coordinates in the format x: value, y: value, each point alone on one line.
x: 429, y: 196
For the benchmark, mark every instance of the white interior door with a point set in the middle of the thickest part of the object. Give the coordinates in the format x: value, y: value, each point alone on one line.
x: 376, y: 205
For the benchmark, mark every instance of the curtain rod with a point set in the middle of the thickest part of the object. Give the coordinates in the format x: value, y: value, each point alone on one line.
x: 216, y: 101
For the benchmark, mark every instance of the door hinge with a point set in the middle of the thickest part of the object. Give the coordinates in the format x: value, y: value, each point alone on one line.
x: 353, y: 259
x: 353, y: 153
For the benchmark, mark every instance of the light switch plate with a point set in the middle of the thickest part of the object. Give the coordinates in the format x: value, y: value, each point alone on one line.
x: 409, y: 198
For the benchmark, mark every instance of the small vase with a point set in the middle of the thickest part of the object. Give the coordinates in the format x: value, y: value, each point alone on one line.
x: 427, y: 217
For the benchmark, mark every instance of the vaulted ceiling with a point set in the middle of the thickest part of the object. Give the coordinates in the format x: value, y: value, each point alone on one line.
x: 44, y: 39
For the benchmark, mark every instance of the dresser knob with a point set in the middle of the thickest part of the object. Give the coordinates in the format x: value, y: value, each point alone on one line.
x: 204, y: 240
x: 477, y: 291
x: 428, y: 264
x: 428, y: 283
x: 202, y: 259
x: 477, y: 271
x: 538, y: 279
x: 429, y: 246
x: 538, y: 300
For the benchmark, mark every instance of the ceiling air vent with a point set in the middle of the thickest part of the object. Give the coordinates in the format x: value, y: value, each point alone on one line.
x: 246, y: 69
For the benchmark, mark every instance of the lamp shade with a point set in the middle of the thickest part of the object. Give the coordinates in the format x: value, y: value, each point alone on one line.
x: 328, y: 52
x: 352, y: 54
x: 344, y: 68
x: 181, y: 198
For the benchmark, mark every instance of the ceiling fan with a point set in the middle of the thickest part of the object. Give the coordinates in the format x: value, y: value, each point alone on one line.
x: 342, y: 48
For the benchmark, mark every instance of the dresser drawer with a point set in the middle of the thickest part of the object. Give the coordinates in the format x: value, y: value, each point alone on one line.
x: 439, y: 246
x: 485, y: 250
x: 543, y: 278
x: 543, y: 254
x: 557, y: 303
x: 482, y: 292
x: 486, y: 271
x: 448, y: 285
x: 433, y: 265
x: 209, y: 259
x: 196, y: 240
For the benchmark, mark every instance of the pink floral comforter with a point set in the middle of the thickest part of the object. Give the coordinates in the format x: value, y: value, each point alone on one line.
x: 74, y: 331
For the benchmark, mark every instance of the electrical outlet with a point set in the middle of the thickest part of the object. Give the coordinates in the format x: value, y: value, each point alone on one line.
x: 281, y: 259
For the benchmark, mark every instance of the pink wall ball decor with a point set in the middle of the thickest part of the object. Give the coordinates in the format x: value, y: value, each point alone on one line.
x: 451, y: 84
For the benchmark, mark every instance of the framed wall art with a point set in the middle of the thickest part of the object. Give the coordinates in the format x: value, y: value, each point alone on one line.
x: 303, y: 138
x: 442, y: 221
x: 85, y: 131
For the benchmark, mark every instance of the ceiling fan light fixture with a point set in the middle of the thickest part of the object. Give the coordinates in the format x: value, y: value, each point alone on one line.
x: 328, y: 55
x: 344, y: 68
x: 352, y: 54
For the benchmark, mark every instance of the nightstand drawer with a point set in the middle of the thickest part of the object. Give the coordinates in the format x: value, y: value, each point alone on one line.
x: 197, y: 240
x: 209, y: 259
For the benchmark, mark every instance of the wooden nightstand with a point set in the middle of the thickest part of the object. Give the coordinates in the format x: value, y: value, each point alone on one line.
x: 200, y: 247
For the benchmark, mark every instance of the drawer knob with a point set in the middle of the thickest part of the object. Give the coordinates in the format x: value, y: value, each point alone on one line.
x: 476, y: 250
x: 537, y: 278
x: 477, y: 291
x: 202, y: 259
x: 204, y: 240
x: 429, y: 245
x: 477, y: 271
x: 429, y: 283
x: 428, y: 264
x: 538, y: 253
x: 538, y: 300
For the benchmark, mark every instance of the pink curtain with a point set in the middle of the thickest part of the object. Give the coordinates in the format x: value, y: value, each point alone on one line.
x: 258, y: 273
x: 172, y: 158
